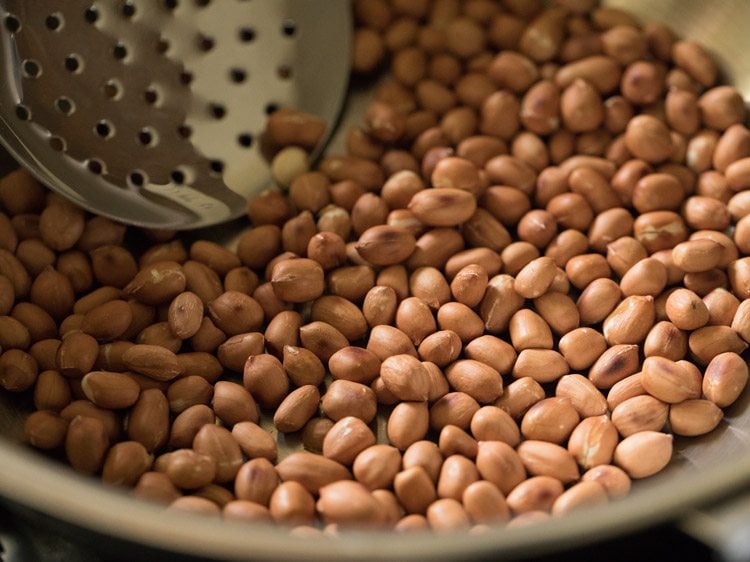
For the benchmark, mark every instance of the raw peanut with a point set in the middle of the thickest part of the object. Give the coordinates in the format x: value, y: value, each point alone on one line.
x: 454, y: 408
x: 491, y: 423
x: 86, y: 444
x: 551, y: 419
x: 721, y: 107
x: 659, y: 230
x: 188, y: 391
x: 528, y: 330
x: 185, y: 315
x: 738, y: 272
x: 377, y: 466
x: 456, y: 474
x: 499, y: 304
x: 235, y: 313
x: 740, y: 321
x: 264, y: 377
x: 558, y: 310
x: 616, y: 363
x: 519, y: 396
x: 113, y: 265
x: 669, y: 381
x: 708, y: 342
x: 323, y: 339
x: 567, y: 244
x: 282, y: 330
x: 61, y: 224
x: 484, y: 503
x: 440, y: 348
x: 113, y: 391
x: 535, y: 278
x: 234, y: 352
x: 447, y: 515
x: 157, y: 487
x: 348, y: 504
x: 414, y: 489
x: 598, y: 300
x: 492, y: 351
x: 14, y: 270
x: 405, y: 377
x: 51, y: 391
x: 315, y: 432
x: 108, y: 321
x: 18, y: 370
x: 582, y: 270
x: 254, y: 441
x: 385, y: 245
x: 112, y: 422
x: 428, y: 284
x: 582, y: 394
x: 344, y: 398
x: 612, y: 478
x: 187, y: 468
x: 455, y: 441
x: 694, y: 417
x: 386, y: 341
x: 340, y: 313
x: 480, y: 381
x: 157, y: 283
x: 434, y: 248
x: 581, y: 495
x: 245, y: 510
x: 407, y: 424
x: 426, y: 455
x: 13, y: 334
x: 217, y: 442
x: 45, y: 429
x: 541, y: 458
x: 538, y: 493
x: 126, y: 462
x: 148, y: 421
x: 581, y: 107
x: 469, y: 285
x: 202, y: 280
x: 302, y: 366
x: 666, y: 340
x: 415, y: 319
x: 601, y: 71
x: 624, y: 253
x: 697, y: 255
x: 256, y: 480
x: 543, y: 365
x: 45, y: 353
x: 593, y: 441
x: 214, y: 256
x: 380, y: 306
x: 582, y: 347
x: 537, y: 227
x: 296, y: 409
x: 233, y: 404
x: 443, y: 206
x: 153, y: 361
x: 725, y: 378
x: 291, y: 503
x: 722, y: 308
x: 640, y: 413
x: 644, y: 454
x: 686, y: 310
x: 630, y: 322
x: 624, y: 389
x: 52, y: 291
x: 354, y: 364
x: 195, y: 504
x: 458, y: 173
x: 608, y: 226
x: 646, y: 277
x: 297, y: 280
x: 311, y: 471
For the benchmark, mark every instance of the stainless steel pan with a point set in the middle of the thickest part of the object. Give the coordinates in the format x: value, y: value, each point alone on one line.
x: 703, y: 488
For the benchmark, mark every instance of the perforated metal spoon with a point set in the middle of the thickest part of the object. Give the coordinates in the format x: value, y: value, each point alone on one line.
x: 149, y: 111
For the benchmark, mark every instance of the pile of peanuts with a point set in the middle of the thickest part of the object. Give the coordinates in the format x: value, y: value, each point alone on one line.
x: 530, y: 262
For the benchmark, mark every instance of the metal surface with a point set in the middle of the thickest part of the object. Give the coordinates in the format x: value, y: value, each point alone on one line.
x: 150, y: 112
x: 705, y: 471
